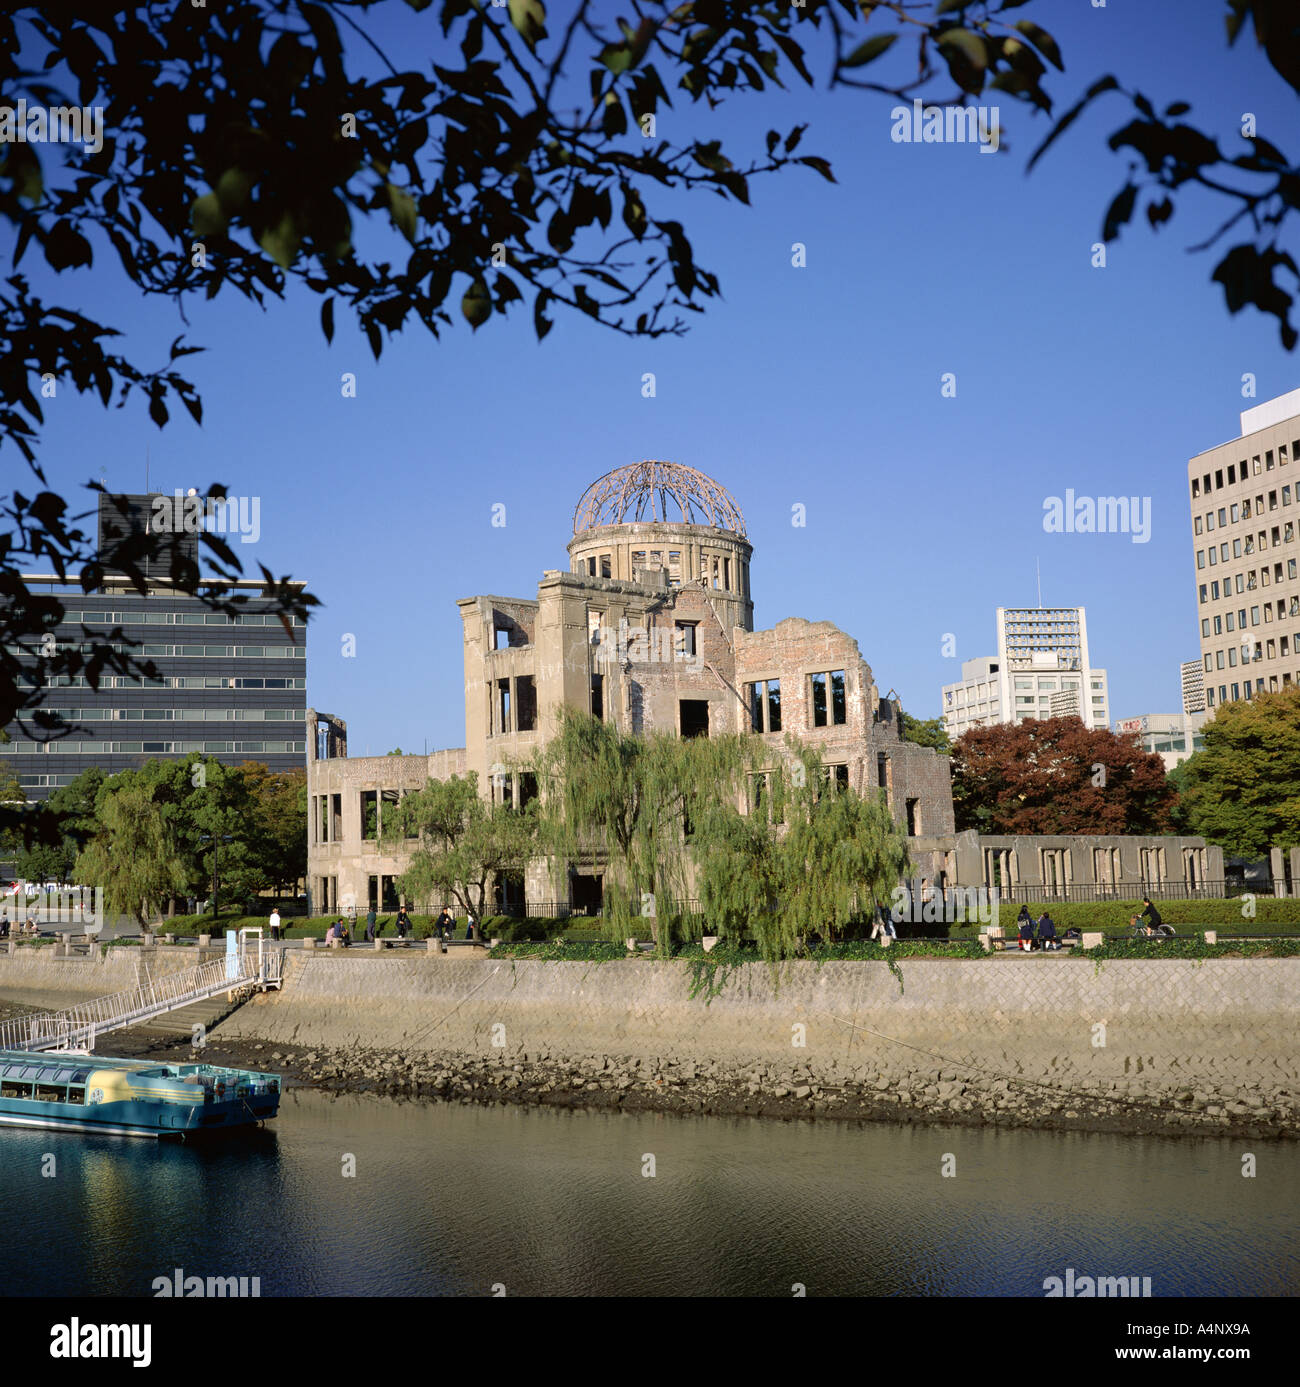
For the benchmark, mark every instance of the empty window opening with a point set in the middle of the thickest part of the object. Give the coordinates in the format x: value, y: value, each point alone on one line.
x: 834, y: 710
x: 586, y: 893
x: 913, y: 817
x: 370, y: 814
x: 694, y: 717
x: 525, y: 703
x: 686, y: 637
x: 503, y: 705
x: 598, y: 696
x: 764, y: 703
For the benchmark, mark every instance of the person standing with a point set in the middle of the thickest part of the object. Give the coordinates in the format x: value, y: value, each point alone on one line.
x: 370, y: 924
x: 274, y: 922
x: 470, y: 928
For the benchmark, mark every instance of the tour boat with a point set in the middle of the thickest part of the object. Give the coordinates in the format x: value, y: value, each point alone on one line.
x: 92, y: 1093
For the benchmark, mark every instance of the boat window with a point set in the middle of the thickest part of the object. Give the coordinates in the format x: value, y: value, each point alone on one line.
x: 81, y: 1076
x: 50, y: 1093
x: 9, y: 1088
x: 77, y: 1095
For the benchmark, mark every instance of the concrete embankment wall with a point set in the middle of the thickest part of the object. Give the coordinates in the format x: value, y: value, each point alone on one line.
x: 1030, y: 1016
x: 36, y: 978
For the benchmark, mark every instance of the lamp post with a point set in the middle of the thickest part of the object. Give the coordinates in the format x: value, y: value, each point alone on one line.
x: 215, y: 840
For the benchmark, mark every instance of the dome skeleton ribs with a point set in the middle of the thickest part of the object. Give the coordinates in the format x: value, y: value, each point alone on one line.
x: 642, y: 491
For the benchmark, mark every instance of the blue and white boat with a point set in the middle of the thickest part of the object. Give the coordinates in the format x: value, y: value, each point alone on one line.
x: 92, y: 1093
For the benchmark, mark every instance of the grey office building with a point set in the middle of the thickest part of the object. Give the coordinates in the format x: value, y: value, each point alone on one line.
x: 233, y: 689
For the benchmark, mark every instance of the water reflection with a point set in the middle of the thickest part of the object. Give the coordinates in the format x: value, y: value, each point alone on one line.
x: 452, y: 1200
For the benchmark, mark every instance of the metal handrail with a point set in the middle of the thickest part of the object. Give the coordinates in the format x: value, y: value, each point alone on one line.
x: 61, y: 1029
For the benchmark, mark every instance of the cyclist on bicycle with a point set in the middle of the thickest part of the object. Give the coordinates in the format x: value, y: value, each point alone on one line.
x: 1154, y: 927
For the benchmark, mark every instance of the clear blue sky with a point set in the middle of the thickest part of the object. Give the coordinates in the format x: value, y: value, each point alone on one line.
x: 818, y: 385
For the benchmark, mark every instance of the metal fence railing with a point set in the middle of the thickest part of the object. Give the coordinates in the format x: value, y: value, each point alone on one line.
x: 77, y: 1027
x: 1097, y: 892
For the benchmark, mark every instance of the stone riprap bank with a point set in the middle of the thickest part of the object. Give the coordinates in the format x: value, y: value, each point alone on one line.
x: 1187, y: 1044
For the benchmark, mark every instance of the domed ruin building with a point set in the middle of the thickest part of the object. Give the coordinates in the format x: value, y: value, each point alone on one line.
x: 650, y: 627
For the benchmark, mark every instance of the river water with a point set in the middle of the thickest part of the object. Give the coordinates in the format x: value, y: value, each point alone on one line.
x: 457, y: 1200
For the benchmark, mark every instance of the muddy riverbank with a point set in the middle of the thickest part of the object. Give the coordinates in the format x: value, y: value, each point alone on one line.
x: 962, y: 1097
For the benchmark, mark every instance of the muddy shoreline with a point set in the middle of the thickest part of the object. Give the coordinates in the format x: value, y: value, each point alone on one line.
x: 947, y: 1097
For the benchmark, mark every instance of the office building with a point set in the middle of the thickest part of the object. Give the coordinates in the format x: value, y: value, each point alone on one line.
x: 233, y: 689
x: 1244, y: 503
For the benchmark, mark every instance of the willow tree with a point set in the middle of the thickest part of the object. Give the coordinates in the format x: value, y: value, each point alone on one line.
x: 809, y: 856
x: 465, y: 842
x: 134, y: 854
x: 636, y: 802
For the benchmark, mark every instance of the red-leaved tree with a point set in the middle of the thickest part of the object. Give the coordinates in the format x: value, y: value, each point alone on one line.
x: 1055, y: 775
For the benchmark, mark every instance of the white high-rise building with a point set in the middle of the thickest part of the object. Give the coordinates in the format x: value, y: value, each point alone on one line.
x: 1041, y: 670
x: 1245, y: 501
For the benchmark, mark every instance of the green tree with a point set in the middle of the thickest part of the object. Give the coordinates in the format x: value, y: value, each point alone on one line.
x: 812, y: 857
x: 927, y: 732
x: 133, y: 855
x: 633, y: 801
x: 1242, y: 790
x: 200, y: 797
x: 277, y: 833
x: 1054, y: 775
x: 465, y: 843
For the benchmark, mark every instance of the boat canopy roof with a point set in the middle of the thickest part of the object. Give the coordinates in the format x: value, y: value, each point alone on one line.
x: 54, y: 1069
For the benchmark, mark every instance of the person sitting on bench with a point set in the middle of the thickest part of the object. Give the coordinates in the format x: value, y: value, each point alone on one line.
x: 1047, y: 932
x: 1026, y: 932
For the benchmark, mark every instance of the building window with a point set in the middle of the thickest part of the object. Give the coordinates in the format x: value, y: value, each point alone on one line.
x: 693, y: 717
x: 606, y: 571
x: 1200, y: 558
x: 370, y: 814
x: 525, y: 703
x: 835, y: 712
x: 503, y: 705
x: 686, y: 637
x: 764, y: 703
x: 598, y: 696
x: 1197, y: 525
